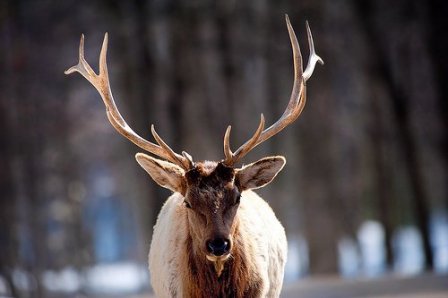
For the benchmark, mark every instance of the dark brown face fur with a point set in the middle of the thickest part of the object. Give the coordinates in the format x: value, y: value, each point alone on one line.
x: 212, y: 199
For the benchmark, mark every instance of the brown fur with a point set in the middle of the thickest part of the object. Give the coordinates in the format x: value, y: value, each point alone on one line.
x: 238, y: 279
x: 211, y: 188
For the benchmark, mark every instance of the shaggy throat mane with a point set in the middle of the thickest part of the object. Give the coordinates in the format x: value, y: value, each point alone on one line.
x: 237, y: 278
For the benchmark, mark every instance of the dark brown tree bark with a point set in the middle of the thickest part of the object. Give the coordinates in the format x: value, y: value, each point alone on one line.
x: 400, y: 107
x: 438, y: 26
x: 383, y: 179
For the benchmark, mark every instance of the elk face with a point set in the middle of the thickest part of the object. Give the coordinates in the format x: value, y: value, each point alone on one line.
x: 212, y: 201
x: 212, y: 194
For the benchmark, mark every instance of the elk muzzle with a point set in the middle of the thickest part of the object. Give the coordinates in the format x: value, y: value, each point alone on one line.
x: 218, y: 246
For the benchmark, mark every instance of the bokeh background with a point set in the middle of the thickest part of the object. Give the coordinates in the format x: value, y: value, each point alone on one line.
x: 364, y: 193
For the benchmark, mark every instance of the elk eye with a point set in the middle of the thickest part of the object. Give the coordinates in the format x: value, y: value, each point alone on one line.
x: 187, y: 205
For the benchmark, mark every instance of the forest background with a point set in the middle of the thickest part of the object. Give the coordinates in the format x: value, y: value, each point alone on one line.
x: 365, y: 188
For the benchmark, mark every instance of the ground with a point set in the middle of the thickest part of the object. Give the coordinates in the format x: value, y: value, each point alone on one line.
x: 423, y: 286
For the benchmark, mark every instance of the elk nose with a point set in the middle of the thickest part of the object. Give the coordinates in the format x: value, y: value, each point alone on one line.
x: 218, y: 246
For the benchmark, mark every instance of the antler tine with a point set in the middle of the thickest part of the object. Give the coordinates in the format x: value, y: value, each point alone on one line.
x: 227, y: 151
x: 185, y: 159
x: 102, y: 85
x: 295, y: 105
x: 314, y: 58
x: 189, y: 159
x: 250, y: 144
x: 82, y: 67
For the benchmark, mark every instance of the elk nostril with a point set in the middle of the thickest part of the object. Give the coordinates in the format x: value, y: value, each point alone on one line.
x: 218, y: 246
x: 210, y: 247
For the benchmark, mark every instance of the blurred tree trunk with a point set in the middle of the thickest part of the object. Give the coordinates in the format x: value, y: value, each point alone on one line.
x: 9, y: 245
x: 438, y: 11
x: 22, y: 157
x: 383, y: 179
x: 400, y: 107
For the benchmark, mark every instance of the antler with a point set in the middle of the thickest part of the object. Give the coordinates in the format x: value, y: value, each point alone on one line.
x: 102, y: 85
x: 295, y: 105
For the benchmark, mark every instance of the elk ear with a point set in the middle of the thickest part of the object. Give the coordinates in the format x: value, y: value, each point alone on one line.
x: 259, y: 173
x: 164, y: 173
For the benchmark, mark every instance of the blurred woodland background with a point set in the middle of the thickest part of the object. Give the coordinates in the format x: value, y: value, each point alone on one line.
x: 365, y: 188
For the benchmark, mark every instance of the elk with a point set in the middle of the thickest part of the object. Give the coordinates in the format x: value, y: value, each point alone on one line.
x: 214, y: 236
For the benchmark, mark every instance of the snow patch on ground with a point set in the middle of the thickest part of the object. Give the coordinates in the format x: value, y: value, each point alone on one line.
x: 116, y: 278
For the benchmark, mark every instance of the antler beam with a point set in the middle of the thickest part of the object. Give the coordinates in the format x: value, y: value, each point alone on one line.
x: 102, y: 85
x: 295, y: 105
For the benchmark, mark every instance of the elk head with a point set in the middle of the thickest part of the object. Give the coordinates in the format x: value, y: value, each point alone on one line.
x: 211, y: 191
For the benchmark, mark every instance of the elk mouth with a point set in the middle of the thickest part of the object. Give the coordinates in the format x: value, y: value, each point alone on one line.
x: 213, y: 258
x: 218, y: 262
